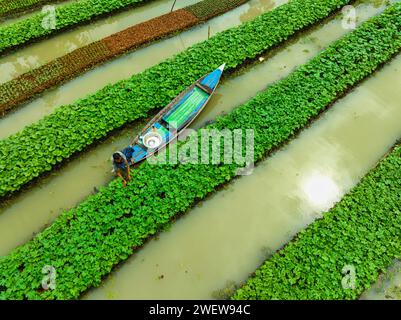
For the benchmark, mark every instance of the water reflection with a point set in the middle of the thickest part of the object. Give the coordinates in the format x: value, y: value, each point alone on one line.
x: 321, y: 190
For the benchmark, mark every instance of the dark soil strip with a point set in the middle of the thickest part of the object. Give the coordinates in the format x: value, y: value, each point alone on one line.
x: 209, y: 8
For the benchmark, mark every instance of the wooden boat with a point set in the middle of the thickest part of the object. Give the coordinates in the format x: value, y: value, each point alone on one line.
x: 174, y: 118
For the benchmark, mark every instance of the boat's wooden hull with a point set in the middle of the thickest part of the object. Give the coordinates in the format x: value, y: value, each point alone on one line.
x: 174, y: 118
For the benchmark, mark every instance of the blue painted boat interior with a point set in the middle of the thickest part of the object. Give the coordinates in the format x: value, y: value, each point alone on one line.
x: 138, y: 153
x: 212, y: 79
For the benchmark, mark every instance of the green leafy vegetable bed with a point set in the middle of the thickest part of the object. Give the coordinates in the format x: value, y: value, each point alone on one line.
x: 361, y: 234
x: 10, y: 7
x: 32, y: 28
x: 57, y: 71
x: 84, y: 243
x: 69, y: 129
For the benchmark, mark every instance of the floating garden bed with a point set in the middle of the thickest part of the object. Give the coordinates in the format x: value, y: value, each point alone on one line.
x: 12, y: 7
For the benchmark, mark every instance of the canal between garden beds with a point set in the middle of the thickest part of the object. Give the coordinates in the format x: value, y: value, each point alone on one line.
x: 226, y: 237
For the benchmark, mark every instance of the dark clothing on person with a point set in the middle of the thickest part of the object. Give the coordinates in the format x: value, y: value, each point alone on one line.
x: 122, y: 166
x: 128, y: 152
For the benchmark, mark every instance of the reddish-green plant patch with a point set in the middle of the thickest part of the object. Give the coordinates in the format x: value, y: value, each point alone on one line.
x: 149, y: 31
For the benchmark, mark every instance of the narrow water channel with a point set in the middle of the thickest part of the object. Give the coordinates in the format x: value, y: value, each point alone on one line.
x: 37, y: 54
x: 224, y: 239
x: 125, y: 66
x: 37, y: 207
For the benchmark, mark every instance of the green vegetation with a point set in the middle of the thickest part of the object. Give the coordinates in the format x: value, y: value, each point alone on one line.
x: 9, y: 7
x: 84, y: 243
x: 209, y: 8
x: 65, y: 16
x: 363, y: 230
x: 71, y: 128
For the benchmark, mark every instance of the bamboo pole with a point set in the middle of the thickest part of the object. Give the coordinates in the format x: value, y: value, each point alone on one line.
x: 172, y: 8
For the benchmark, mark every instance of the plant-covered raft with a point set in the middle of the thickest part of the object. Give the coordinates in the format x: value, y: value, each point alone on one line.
x: 71, y: 128
x: 340, y: 255
x: 10, y: 7
x: 46, y: 23
x: 63, y: 68
x: 84, y: 244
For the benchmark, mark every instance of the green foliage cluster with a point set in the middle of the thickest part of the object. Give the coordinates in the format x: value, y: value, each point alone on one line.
x: 83, y: 244
x: 67, y: 15
x: 38, y: 147
x: 9, y: 7
x: 208, y: 8
x: 363, y: 231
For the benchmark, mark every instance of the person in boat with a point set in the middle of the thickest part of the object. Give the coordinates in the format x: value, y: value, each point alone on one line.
x: 121, y: 164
